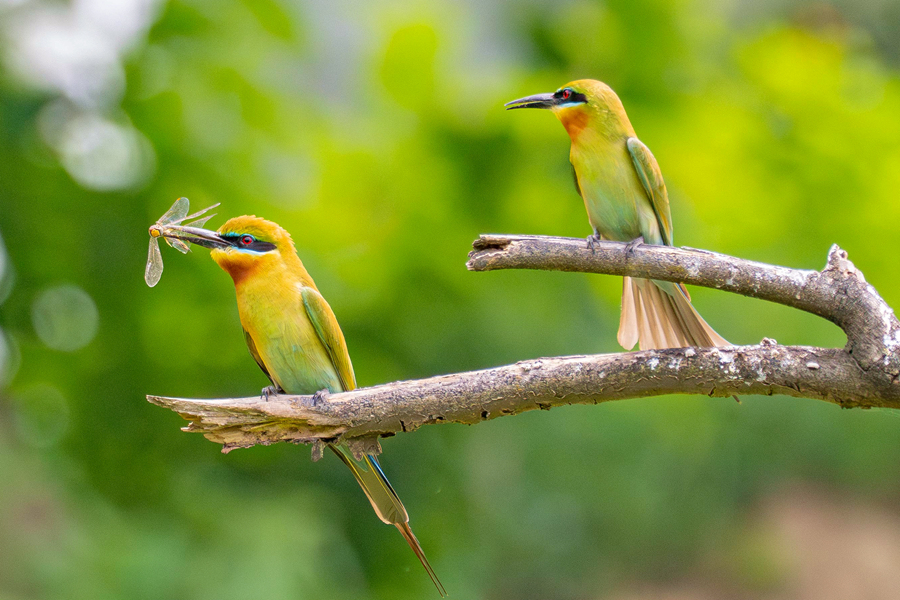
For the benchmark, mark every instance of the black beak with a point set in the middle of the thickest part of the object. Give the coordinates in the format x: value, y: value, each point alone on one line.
x: 195, y: 235
x: 536, y: 101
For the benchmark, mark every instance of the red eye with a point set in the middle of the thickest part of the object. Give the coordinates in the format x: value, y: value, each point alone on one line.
x: 246, y: 240
x: 566, y: 93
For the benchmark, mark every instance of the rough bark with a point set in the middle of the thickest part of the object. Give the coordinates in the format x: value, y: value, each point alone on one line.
x: 863, y: 374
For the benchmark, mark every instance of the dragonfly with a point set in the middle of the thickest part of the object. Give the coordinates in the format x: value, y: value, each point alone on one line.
x: 164, y: 227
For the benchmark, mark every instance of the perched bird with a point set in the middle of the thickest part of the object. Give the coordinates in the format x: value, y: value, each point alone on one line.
x: 295, y: 338
x: 626, y: 201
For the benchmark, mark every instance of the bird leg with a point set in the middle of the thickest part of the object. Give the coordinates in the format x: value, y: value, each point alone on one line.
x: 593, y: 239
x: 320, y: 396
x: 630, y: 246
x: 269, y: 390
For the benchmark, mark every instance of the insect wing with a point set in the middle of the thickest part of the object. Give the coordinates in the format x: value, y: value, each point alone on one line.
x: 200, y: 212
x: 154, y: 268
x: 200, y: 222
x: 176, y: 213
x: 167, y: 233
x: 178, y: 245
x: 196, y: 214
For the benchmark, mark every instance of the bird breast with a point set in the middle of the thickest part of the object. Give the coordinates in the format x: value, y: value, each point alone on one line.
x: 287, y: 342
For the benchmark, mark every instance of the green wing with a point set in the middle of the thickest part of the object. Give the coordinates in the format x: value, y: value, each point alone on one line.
x: 651, y: 177
x: 367, y: 471
x: 251, y: 345
x: 323, y: 319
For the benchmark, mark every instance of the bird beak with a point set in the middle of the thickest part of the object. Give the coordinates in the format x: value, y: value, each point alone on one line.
x: 195, y: 235
x: 536, y: 101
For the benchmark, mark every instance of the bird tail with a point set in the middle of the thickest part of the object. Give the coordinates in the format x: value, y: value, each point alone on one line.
x: 386, y: 503
x: 659, y: 314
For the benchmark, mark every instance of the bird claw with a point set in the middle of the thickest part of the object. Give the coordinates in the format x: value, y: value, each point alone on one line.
x: 592, y: 239
x: 269, y: 390
x: 320, y: 396
x: 630, y: 246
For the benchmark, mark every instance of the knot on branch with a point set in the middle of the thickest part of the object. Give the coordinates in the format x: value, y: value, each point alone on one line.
x: 839, y: 262
x: 873, y: 332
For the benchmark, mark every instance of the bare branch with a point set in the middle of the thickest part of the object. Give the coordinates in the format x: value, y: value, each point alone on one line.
x: 838, y: 293
x: 863, y: 374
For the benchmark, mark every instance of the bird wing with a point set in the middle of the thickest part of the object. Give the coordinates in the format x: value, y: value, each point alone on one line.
x: 326, y: 325
x: 651, y: 178
x: 575, y: 179
x: 251, y: 345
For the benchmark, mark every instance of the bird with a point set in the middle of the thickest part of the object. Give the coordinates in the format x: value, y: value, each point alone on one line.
x: 294, y: 337
x: 626, y: 200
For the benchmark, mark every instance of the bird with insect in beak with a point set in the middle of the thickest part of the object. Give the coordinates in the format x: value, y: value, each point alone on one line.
x: 295, y: 338
x: 626, y: 200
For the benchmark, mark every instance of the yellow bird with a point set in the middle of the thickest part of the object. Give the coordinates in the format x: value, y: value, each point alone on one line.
x: 295, y: 338
x: 626, y: 200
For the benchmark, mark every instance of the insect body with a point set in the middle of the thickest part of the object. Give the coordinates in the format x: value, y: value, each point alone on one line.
x: 163, y: 228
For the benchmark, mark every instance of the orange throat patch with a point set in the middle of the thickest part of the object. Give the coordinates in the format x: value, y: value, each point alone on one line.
x: 240, y: 267
x: 574, y: 119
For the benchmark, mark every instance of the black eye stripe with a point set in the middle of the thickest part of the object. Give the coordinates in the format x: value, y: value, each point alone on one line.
x: 259, y: 246
x: 574, y: 97
x: 237, y: 240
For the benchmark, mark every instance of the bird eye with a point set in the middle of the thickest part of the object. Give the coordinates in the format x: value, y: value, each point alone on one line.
x: 566, y: 94
x: 246, y: 240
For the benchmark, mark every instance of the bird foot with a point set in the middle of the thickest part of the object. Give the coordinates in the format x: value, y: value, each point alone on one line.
x: 269, y: 390
x: 320, y: 396
x: 630, y: 246
x: 592, y: 239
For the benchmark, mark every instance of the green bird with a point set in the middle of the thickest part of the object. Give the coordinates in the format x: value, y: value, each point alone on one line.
x: 626, y: 200
x: 295, y: 338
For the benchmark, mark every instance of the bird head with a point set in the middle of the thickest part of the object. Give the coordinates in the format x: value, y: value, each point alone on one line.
x: 580, y: 105
x: 247, y: 245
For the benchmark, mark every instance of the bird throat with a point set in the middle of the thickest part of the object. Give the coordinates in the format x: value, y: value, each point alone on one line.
x: 241, y: 267
x: 574, y: 119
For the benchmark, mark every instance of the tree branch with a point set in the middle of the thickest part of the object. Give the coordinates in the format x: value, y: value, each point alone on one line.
x: 838, y: 293
x: 864, y: 373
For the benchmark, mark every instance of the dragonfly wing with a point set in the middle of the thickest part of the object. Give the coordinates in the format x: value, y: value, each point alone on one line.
x: 177, y: 244
x: 205, y: 210
x: 154, y: 268
x: 177, y: 213
x: 200, y: 222
x: 196, y: 214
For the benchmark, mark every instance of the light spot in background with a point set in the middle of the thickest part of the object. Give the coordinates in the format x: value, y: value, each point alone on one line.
x: 103, y: 155
x: 51, y: 49
x: 76, y: 49
x: 65, y: 318
x: 339, y: 40
x: 7, y: 275
x: 40, y: 415
x: 9, y: 352
x: 10, y: 359
x: 98, y: 153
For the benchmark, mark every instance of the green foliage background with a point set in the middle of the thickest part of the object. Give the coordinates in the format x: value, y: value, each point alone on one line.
x: 375, y: 133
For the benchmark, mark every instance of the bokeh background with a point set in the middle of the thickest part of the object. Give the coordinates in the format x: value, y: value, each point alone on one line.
x: 375, y: 133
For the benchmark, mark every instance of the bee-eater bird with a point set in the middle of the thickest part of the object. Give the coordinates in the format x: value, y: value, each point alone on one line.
x: 625, y: 195
x: 295, y: 338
